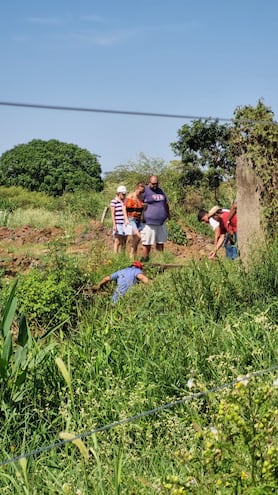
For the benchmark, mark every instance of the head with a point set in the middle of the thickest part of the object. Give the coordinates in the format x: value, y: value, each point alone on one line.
x: 140, y: 187
x: 215, y: 212
x: 203, y: 216
x: 153, y: 182
x: 138, y: 264
x: 121, y: 192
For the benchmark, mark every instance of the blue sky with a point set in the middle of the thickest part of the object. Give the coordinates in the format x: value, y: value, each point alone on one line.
x: 185, y: 57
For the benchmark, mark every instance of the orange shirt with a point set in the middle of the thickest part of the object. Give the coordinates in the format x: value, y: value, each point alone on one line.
x: 134, y: 207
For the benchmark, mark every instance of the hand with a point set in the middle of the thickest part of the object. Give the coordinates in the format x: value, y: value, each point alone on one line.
x: 95, y: 288
x: 212, y: 255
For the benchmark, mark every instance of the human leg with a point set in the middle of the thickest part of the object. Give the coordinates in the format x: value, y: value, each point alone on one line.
x: 123, y: 240
x: 116, y: 244
x: 134, y: 245
x: 147, y: 239
x: 160, y: 237
x: 230, y: 245
x: 159, y: 246
x: 146, y: 253
x: 119, y: 238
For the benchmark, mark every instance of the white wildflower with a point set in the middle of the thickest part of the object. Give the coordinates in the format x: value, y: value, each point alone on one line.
x: 213, y: 430
x: 190, y: 383
x: 243, y: 380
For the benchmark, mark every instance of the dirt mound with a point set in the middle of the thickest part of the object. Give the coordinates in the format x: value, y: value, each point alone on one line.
x: 27, y: 234
x: 21, y: 248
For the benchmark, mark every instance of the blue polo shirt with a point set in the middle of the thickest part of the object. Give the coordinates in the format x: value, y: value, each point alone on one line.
x: 125, y: 278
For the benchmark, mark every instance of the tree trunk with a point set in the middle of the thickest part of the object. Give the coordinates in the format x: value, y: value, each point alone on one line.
x: 249, y: 191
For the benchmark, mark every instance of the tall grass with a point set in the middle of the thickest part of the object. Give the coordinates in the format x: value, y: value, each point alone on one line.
x: 191, y: 329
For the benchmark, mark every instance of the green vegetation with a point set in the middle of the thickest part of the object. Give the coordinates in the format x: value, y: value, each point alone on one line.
x: 191, y: 330
x: 193, y: 340
x: 255, y: 135
x: 50, y: 166
x: 176, y: 233
x: 204, y: 151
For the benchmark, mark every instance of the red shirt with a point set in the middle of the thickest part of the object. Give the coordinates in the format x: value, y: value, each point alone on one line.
x: 224, y: 227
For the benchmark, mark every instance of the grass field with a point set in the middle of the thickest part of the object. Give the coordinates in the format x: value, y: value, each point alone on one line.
x: 77, y: 364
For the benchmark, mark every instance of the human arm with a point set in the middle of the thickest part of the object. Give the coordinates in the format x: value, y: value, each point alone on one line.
x: 125, y: 215
x: 103, y: 282
x: 168, y: 210
x: 142, y: 278
x: 232, y: 213
x: 218, y: 242
x: 112, y: 210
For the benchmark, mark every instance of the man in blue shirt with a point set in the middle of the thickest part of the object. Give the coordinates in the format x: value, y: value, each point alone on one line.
x: 125, y: 278
x: 155, y: 215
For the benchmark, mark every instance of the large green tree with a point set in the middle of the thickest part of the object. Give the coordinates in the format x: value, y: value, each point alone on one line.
x: 50, y: 166
x: 204, y: 149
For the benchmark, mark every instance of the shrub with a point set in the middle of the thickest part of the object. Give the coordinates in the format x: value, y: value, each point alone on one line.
x: 176, y: 233
x: 49, y: 297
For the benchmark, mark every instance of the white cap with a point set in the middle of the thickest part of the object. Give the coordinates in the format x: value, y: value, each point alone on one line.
x: 122, y: 189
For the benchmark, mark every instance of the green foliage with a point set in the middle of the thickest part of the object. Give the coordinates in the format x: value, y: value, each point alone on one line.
x: 17, y: 197
x: 176, y: 233
x: 85, y: 204
x: 236, y: 450
x: 20, y: 354
x: 255, y: 135
x: 189, y: 330
x: 48, y: 297
x: 50, y: 166
x: 205, y: 154
x: 132, y: 172
x: 193, y: 223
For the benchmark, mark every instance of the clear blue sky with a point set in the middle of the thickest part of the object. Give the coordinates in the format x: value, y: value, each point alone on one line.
x: 186, y: 57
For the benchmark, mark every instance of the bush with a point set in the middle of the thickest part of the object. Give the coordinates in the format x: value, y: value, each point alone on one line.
x: 176, y: 233
x: 49, y: 297
x: 85, y: 204
x: 18, y: 197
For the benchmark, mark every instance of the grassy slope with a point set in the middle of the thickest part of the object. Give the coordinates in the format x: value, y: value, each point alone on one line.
x: 209, y: 322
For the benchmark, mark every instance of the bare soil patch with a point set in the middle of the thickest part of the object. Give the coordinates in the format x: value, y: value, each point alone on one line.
x: 22, y: 248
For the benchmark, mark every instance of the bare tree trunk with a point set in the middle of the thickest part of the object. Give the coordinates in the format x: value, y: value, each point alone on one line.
x: 249, y: 190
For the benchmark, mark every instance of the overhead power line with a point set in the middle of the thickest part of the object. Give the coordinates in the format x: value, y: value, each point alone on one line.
x: 110, y: 111
x: 40, y: 106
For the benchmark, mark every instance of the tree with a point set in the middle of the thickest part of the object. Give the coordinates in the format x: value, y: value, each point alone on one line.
x: 50, y: 166
x: 205, y: 153
x: 132, y: 172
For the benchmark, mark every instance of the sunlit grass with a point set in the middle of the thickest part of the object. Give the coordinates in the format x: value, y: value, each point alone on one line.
x: 203, y: 324
x: 39, y: 218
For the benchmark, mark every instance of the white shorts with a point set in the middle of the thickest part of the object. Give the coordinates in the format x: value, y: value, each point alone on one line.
x: 120, y: 230
x: 153, y: 234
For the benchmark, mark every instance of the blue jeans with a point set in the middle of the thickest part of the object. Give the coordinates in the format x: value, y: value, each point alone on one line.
x: 230, y: 245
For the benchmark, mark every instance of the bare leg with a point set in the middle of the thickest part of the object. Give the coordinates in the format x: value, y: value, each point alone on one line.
x: 135, y: 241
x: 123, y: 240
x: 116, y: 245
x: 146, y: 251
